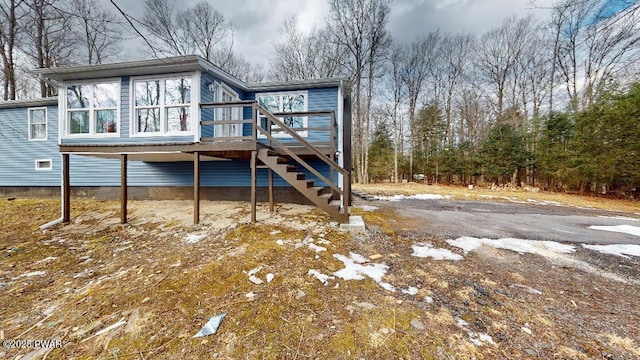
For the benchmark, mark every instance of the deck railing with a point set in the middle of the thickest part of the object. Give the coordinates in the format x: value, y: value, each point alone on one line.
x: 293, y: 139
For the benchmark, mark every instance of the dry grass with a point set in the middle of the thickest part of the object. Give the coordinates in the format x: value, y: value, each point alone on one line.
x: 96, y: 272
x: 485, y: 193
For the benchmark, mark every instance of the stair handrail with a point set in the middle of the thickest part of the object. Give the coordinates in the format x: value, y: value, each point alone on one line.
x: 345, y: 192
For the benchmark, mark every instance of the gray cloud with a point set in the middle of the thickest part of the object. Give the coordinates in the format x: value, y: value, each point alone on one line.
x: 258, y: 21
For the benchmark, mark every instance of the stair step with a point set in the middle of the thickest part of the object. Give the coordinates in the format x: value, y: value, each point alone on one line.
x: 272, y: 153
x: 310, y: 183
x: 300, y: 176
x: 327, y: 196
x: 280, y: 159
x: 292, y: 168
x: 316, y: 190
x: 336, y: 203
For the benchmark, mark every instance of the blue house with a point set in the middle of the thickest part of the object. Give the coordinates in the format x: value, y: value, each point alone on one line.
x: 179, y: 128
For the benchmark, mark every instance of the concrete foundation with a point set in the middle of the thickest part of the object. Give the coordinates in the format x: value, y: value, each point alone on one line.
x: 355, y: 225
x: 281, y: 194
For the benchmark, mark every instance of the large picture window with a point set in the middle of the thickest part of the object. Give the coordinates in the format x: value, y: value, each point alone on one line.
x: 162, y: 105
x: 38, y: 124
x: 92, y: 108
x: 285, y: 103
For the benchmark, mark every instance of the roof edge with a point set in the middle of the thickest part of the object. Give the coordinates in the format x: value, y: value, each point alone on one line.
x: 297, y: 84
x: 7, y: 104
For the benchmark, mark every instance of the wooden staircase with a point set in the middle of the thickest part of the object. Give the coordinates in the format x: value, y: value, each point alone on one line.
x: 322, y: 197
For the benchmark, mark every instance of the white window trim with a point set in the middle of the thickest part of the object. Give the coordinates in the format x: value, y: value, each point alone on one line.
x: 305, y: 120
x: 38, y: 168
x: 64, y: 124
x: 194, y: 107
x: 46, y: 123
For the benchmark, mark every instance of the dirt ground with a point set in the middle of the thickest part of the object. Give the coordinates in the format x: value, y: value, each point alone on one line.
x: 144, y: 289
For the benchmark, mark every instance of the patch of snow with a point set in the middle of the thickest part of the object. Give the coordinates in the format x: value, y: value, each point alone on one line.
x: 545, y: 202
x: 254, y: 271
x: 624, y: 218
x: 29, y: 274
x: 50, y: 258
x: 428, y: 299
x: 415, y: 197
x: 625, y: 229
x: 355, y: 270
x: 270, y: 277
x: 616, y: 249
x: 412, y: 290
x: 279, y: 242
x: 368, y: 207
x: 478, y: 339
x: 194, y: 238
x: 543, y: 248
x: 387, y: 286
x: 317, y: 248
x: 427, y: 250
x: 320, y: 276
x: 358, y: 258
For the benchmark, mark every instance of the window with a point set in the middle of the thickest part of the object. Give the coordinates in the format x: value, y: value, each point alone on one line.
x: 38, y: 124
x: 45, y: 164
x: 162, y: 106
x: 284, y: 103
x: 92, y: 108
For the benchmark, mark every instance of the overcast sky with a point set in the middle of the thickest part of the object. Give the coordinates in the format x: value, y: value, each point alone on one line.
x: 258, y: 21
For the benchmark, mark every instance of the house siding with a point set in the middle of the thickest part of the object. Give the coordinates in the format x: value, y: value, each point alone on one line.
x: 17, y: 166
x: 91, y: 171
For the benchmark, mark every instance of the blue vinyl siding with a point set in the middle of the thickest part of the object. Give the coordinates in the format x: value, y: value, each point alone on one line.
x: 17, y: 165
x: 91, y: 171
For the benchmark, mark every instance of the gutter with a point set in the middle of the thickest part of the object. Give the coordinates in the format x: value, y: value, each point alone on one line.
x: 61, y: 218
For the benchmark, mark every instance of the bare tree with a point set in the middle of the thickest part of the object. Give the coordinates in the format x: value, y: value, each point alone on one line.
x: 398, y: 94
x: 499, y: 52
x: 593, y: 46
x: 420, y: 60
x: 298, y: 56
x: 358, y: 27
x: 98, y: 29
x: 452, y: 68
x: 11, y: 14
x: 199, y: 30
x: 51, y: 39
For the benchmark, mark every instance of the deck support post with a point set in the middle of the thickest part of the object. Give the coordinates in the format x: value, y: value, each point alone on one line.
x: 66, y: 190
x: 254, y: 178
x: 123, y: 188
x: 271, y: 202
x: 196, y: 188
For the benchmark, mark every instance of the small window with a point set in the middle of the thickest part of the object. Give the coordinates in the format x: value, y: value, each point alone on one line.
x: 285, y: 103
x: 45, y: 164
x: 38, y: 124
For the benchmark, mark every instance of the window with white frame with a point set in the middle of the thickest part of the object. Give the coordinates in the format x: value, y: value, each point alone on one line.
x: 92, y: 108
x: 162, y: 105
x: 38, y: 124
x: 285, y: 102
x: 44, y: 164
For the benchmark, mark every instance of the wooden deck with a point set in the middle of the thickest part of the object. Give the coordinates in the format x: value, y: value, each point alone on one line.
x: 267, y: 150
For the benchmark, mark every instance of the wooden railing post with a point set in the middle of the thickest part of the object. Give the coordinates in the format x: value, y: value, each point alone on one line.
x: 254, y: 121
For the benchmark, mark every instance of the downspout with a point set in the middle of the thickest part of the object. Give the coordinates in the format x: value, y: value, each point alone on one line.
x: 59, y: 220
